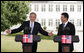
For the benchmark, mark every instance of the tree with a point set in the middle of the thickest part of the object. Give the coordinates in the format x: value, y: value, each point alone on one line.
x: 44, y: 27
x: 57, y: 28
x: 13, y: 12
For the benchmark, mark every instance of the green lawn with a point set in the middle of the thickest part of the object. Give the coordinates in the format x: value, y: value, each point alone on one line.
x: 8, y: 44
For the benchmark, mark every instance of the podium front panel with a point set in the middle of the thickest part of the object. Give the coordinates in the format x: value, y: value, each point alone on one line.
x: 36, y: 38
x: 19, y: 38
x: 75, y: 39
x: 57, y: 39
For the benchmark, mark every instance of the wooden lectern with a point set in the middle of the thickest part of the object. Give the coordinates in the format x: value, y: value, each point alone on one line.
x: 65, y: 48
x: 27, y: 47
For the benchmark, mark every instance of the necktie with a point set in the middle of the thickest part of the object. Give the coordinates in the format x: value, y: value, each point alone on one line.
x: 31, y: 27
x: 63, y: 25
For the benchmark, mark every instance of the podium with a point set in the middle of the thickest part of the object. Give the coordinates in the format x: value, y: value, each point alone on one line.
x: 27, y: 46
x: 66, y: 45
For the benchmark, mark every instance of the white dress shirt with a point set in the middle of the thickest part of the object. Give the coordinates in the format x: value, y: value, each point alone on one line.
x: 65, y: 24
x: 32, y: 26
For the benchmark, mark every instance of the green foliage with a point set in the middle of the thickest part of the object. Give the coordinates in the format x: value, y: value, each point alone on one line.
x: 13, y: 12
x: 44, y: 27
x: 57, y: 27
x: 20, y: 33
x: 46, y: 37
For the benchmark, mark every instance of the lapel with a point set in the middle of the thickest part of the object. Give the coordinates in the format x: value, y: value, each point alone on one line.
x: 28, y: 23
x: 67, y: 27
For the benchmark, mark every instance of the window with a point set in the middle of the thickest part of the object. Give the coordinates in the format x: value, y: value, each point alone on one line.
x: 64, y: 7
x: 57, y: 8
x: 78, y: 22
x: 43, y: 8
x: 50, y: 22
x: 71, y: 8
x: 57, y: 22
x: 79, y: 8
x: 43, y: 22
x: 72, y: 21
x: 50, y: 8
x: 36, y: 8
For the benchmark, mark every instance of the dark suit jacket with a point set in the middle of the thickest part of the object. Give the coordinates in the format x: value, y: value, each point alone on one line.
x: 37, y: 28
x: 68, y: 30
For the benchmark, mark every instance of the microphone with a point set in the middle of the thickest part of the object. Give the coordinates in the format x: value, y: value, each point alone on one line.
x: 27, y: 30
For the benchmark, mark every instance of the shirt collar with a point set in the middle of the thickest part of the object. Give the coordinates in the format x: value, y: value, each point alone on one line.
x: 31, y: 22
x: 65, y: 23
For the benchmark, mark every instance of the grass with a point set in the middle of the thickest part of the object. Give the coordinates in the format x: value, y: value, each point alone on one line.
x: 47, y: 46
x: 8, y: 44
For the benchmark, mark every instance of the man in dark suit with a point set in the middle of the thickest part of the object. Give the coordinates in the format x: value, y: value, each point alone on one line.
x: 66, y: 28
x: 35, y: 28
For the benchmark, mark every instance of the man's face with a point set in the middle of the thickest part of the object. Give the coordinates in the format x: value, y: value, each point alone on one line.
x: 63, y: 19
x: 32, y: 17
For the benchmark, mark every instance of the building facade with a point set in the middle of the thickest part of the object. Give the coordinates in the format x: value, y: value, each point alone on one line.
x: 49, y: 13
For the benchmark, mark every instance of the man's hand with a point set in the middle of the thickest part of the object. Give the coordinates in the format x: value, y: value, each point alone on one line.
x: 8, y: 31
x: 50, y: 34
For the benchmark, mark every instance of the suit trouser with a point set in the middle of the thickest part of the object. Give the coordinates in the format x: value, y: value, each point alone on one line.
x: 34, y: 47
